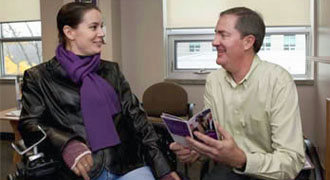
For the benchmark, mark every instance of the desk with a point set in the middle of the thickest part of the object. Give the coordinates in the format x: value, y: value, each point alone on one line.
x: 13, y: 120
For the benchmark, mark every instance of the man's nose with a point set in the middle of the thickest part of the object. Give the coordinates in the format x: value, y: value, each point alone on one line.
x: 216, y: 41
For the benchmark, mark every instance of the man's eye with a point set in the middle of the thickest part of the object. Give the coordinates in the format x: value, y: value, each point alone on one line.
x: 93, y: 27
x: 224, y: 35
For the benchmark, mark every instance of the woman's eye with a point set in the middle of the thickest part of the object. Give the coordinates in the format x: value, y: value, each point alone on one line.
x: 93, y: 27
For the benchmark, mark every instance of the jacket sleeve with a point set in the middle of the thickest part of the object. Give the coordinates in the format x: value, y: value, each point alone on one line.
x: 143, y: 129
x: 35, y: 112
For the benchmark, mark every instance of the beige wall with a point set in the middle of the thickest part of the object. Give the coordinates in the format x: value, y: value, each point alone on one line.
x: 48, y: 13
x: 12, y: 10
x: 206, y: 14
x: 111, y: 15
x: 142, y: 43
x: 323, y: 75
x: 7, y: 100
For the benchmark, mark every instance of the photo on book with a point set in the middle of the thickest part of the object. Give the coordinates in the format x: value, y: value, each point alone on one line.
x: 180, y: 128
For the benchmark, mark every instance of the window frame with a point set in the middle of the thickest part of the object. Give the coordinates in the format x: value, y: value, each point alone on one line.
x: 293, y: 30
x: 172, y: 36
x: 13, y: 39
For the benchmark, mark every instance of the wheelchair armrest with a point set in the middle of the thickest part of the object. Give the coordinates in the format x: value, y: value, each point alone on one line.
x: 313, y: 155
x: 190, y: 110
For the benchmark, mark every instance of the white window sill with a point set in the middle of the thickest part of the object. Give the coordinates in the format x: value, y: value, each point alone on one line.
x: 194, y: 79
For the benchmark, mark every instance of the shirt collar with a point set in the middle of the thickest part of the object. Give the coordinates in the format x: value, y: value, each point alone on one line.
x: 256, y: 61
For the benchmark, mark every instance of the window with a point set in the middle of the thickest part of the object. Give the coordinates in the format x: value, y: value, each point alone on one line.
x: 184, y: 60
x: 20, y: 46
x: 266, y: 46
x: 194, y: 56
x: 190, y: 51
x: 193, y: 47
x: 288, y: 47
x: 289, y: 42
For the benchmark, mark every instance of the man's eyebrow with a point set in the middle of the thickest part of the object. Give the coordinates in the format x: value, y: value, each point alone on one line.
x: 219, y: 31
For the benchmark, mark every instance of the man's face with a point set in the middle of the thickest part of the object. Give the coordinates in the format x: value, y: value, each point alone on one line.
x: 228, y: 42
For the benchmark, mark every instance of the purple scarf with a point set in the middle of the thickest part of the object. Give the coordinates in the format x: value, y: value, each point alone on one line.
x: 98, y: 100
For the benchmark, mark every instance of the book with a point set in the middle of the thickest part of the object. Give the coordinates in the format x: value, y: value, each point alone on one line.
x: 180, y: 128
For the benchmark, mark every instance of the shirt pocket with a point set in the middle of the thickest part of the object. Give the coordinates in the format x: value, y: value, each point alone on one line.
x: 258, y: 132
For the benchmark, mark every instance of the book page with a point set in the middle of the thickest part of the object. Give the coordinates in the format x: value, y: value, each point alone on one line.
x: 203, y: 122
x: 179, y: 129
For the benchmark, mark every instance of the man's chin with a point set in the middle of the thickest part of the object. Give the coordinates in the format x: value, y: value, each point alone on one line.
x: 220, y: 61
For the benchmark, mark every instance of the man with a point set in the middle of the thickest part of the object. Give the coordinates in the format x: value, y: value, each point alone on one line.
x: 255, y: 105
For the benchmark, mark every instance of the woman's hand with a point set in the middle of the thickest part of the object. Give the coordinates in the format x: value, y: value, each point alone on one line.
x: 171, y: 176
x: 78, y: 158
x: 83, y: 166
x: 184, y: 154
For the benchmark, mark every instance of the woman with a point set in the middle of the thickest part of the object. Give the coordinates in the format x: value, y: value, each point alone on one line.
x: 94, y: 123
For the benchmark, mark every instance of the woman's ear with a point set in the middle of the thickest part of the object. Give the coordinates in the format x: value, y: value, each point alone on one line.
x: 68, y: 32
x: 249, y: 41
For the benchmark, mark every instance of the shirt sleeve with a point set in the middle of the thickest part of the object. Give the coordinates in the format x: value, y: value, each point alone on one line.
x: 288, y: 156
x: 207, y: 94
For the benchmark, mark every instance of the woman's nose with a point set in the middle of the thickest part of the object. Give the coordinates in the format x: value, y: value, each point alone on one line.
x: 101, y: 32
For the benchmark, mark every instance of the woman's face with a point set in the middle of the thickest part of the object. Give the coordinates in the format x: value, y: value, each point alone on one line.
x: 87, y: 38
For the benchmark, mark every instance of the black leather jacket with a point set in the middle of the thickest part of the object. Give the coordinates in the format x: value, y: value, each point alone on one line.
x: 50, y: 99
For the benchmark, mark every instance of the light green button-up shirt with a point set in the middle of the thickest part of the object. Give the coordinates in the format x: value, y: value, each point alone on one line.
x: 262, y: 114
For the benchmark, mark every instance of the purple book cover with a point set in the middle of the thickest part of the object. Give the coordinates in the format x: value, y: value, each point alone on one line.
x: 177, y: 127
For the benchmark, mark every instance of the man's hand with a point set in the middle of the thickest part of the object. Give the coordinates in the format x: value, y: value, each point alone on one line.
x: 83, y: 166
x: 184, y: 154
x: 224, y: 151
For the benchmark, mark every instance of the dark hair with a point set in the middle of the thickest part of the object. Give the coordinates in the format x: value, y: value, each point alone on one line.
x: 249, y: 22
x: 71, y: 14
